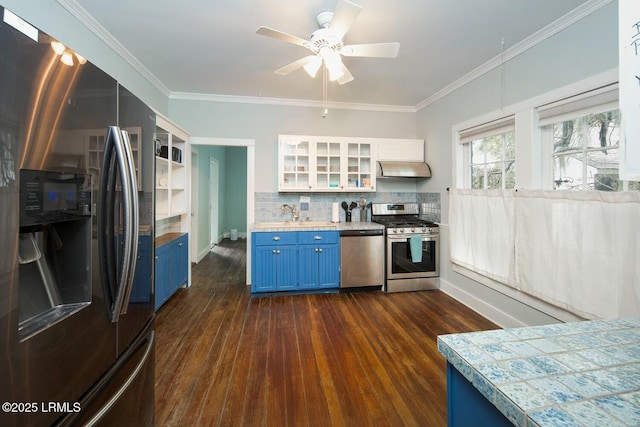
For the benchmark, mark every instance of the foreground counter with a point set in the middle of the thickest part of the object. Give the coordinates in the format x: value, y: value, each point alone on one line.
x: 572, y: 374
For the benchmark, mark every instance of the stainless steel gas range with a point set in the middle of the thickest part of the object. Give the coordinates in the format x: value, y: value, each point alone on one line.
x: 412, y: 247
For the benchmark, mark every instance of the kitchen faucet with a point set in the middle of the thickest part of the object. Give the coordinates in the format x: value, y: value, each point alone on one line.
x: 292, y: 209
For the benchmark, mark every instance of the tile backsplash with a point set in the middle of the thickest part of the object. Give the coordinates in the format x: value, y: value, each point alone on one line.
x: 268, y: 205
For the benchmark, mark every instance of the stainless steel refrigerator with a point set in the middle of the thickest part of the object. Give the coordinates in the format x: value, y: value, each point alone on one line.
x: 76, y: 237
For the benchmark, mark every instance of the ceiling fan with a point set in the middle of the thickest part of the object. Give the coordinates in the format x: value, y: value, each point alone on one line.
x: 327, y: 46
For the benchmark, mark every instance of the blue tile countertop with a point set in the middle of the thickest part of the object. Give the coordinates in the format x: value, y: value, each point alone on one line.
x: 572, y: 374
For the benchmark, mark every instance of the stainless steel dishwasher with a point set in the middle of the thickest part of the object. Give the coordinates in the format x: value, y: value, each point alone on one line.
x: 361, y: 258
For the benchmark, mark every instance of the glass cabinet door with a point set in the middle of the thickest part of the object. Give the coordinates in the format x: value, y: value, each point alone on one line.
x: 360, y: 166
x: 295, y: 156
x: 327, y: 161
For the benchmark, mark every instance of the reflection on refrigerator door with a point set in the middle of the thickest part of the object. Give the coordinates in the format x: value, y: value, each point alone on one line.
x: 64, y: 337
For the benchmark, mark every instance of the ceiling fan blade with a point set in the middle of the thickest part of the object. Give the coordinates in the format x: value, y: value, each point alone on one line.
x: 346, y: 76
x: 294, y: 65
x: 344, y: 15
x: 372, y: 50
x: 270, y: 32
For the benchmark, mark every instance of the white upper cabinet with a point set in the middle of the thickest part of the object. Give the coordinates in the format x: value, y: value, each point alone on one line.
x: 400, y: 150
x: 325, y: 164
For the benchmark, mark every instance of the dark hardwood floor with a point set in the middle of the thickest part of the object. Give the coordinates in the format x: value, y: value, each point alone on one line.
x: 341, y: 359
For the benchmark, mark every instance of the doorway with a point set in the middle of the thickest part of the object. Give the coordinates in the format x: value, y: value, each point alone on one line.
x: 193, y: 238
x: 214, y: 212
x: 250, y: 190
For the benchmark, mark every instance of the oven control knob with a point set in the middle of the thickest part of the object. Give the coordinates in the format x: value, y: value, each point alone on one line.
x: 399, y: 230
x: 413, y: 230
x: 424, y: 230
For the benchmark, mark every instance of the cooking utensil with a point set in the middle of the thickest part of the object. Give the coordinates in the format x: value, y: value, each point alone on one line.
x: 352, y: 205
x: 362, y: 202
x: 345, y: 206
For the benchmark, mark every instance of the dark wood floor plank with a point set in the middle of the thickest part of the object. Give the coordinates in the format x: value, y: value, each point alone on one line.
x: 226, y: 358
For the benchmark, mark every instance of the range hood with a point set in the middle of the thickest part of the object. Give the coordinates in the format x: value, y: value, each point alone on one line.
x: 387, y: 169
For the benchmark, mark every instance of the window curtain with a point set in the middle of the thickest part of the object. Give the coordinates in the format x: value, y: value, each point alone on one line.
x: 482, y: 232
x: 576, y: 250
x: 580, y: 250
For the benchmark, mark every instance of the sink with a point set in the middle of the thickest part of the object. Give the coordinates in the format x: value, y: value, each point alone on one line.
x: 297, y: 224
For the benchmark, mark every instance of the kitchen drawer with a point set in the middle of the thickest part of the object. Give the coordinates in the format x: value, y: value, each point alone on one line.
x: 275, y: 238
x: 318, y: 237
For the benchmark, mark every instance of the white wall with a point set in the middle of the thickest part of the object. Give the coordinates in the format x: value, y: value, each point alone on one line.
x: 587, y: 48
x: 263, y: 123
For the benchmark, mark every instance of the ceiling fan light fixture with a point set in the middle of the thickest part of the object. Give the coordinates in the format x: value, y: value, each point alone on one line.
x: 313, y: 66
x: 334, y: 65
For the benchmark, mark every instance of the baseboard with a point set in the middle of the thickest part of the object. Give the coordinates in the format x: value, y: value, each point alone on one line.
x: 492, y: 313
x: 203, y: 253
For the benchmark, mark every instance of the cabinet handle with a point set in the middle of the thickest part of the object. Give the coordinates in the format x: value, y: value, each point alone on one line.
x: 319, y: 249
x: 317, y: 237
x: 156, y: 257
x: 273, y: 251
x: 276, y: 238
x: 180, y: 244
x: 278, y: 251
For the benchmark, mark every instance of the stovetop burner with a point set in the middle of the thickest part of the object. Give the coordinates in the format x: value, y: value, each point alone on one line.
x: 399, y: 216
x: 399, y: 222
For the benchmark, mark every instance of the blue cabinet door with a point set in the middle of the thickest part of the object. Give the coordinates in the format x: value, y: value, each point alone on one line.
x: 162, y: 270
x: 319, y: 259
x: 286, y: 271
x: 178, y: 263
x: 274, y: 268
x: 142, y: 279
x: 308, y: 266
x: 172, y: 268
x: 263, y: 269
x: 329, y: 266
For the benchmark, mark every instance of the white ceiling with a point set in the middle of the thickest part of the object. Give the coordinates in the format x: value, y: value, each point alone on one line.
x: 210, y: 47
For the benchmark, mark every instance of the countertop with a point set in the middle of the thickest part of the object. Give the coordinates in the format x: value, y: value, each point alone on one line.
x: 572, y: 374
x: 339, y: 226
x: 161, y: 240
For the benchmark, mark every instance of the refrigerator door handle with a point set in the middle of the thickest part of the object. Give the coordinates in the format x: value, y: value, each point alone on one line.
x: 123, y: 388
x: 115, y: 145
x: 134, y: 235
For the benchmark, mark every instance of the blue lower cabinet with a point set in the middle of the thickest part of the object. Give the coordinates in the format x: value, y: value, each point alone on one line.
x: 293, y: 260
x: 273, y: 264
x: 172, y: 268
x: 141, y: 291
x: 466, y: 406
x: 162, y: 274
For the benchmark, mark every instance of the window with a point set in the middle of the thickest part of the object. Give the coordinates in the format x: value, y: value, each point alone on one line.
x: 583, y: 134
x: 585, y: 152
x: 490, y: 153
x: 493, y: 164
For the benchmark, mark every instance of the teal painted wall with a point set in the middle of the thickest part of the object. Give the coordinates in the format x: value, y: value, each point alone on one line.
x: 235, y: 189
x: 232, y: 191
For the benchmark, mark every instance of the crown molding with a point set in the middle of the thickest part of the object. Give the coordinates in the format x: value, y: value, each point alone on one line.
x: 536, y: 38
x: 106, y: 37
x: 289, y: 102
x: 555, y: 27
